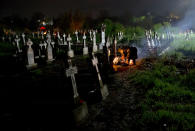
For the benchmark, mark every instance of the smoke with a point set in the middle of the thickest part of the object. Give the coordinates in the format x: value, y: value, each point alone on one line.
x: 188, y: 21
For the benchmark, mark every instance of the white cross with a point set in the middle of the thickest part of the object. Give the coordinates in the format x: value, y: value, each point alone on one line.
x: 29, y: 43
x: 90, y: 33
x: 64, y: 36
x: 95, y: 62
x: 69, y: 40
x: 94, y: 37
x: 17, y: 42
x: 70, y: 72
x: 23, y: 37
x: 84, y: 38
x: 42, y: 35
x: 76, y: 33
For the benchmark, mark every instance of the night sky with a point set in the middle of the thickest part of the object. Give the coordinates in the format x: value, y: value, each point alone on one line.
x: 115, y: 7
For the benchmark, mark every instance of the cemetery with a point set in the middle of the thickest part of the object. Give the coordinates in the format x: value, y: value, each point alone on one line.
x: 75, y: 72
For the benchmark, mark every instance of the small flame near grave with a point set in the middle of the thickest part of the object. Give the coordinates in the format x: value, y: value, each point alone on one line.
x: 131, y: 62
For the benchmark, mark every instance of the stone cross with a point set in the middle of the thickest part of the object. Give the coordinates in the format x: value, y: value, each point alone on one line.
x: 60, y: 41
x: 30, y: 54
x: 84, y: 38
x: 108, y: 42
x: 103, y: 38
x: 42, y: 35
x: 70, y: 72
x: 49, y: 48
x: 17, y: 40
x: 33, y: 34
x: 70, y: 51
x: 95, y: 63
x: 23, y: 37
x: 69, y: 41
x: 58, y: 35
x: 94, y: 42
x: 64, y: 36
x: 85, y: 49
x: 76, y: 33
x: 90, y: 34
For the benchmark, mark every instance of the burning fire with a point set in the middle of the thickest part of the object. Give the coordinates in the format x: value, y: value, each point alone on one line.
x: 131, y: 62
x: 118, y: 60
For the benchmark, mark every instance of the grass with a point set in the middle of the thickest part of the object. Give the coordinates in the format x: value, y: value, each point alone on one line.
x: 6, y: 49
x: 169, y: 98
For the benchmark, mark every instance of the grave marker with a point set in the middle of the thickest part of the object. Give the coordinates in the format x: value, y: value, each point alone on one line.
x: 85, y: 49
x: 30, y: 55
x: 70, y: 51
x: 103, y: 88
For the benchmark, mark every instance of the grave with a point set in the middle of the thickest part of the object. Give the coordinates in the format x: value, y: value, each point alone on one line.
x: 70, y: 51
x: 103, y: 88
x: 81, y: 110
x: 94, y: 42
x: 30, y: 56
x: 85, y: 49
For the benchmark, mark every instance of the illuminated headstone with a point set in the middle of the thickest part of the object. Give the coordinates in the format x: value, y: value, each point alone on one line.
x: 85, y: 49
x: 30, y: 55
x: 17, y: 40
x: 94, y: 42
x: 77, y: 37
x: 49, y: 49
x: 70, y: 72
x: 23, y: 37
x: 64, y: 37
x: 70, y: 51
x: 103, y: 88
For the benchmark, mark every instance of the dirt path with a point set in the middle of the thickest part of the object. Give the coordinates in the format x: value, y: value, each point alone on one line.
x: 118, y: 111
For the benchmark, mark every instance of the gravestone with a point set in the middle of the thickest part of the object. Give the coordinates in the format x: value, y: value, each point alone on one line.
x: 103, y: 40
x: 64, y: 36
x: 90, y: 35
x: 70, y: 51
x: 23, y: 38
x: 58, y: 35
x: 33, y: 34
x: 103, y: 88
x: 81, y: 110
x: 42, y: 35
x: 77, y: 37
x: 49, y: 49
x: 94, y: 42
x: 85, y: 49
x: 60, y: 41
x: 17, y: 40
x: 30, y: 55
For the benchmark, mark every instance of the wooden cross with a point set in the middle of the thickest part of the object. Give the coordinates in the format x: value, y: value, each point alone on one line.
x: 70, y: 72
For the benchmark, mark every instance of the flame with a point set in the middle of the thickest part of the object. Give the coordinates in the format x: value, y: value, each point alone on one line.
x: 131, y: 62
